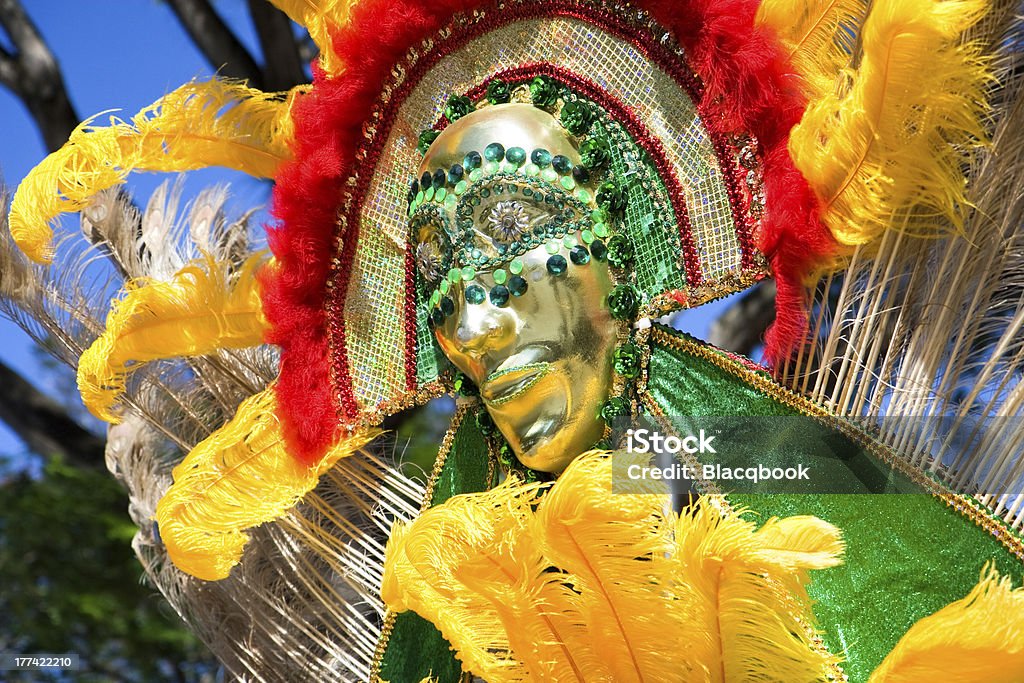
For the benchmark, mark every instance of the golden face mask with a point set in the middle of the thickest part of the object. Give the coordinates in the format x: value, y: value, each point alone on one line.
x: 522, y: 278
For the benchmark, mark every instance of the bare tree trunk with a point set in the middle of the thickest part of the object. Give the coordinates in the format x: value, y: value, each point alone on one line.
x: 283, y: 66
x: 44, y: 425
x: 222, y: 49
x: 741, y: 328
x: 33, y: 74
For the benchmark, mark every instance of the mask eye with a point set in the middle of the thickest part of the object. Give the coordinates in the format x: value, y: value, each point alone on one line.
x: 507, y: 221
x: 504, y: 217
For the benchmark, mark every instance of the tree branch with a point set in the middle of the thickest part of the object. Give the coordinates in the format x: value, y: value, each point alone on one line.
x: 741, y: 328
x: 33, y: 74
x: 216, y: 41
x: 283, y: 67
x: 44, y: 425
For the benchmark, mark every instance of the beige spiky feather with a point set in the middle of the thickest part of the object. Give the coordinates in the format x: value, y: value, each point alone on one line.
x: 212, y: 123
x: 929, y: 331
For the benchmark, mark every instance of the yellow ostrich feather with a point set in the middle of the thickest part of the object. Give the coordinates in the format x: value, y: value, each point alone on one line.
x: 422, y: 573
x: 750, y: 617
x: 979, y: 639
x: 201, y: 309
x: 585, y: 584
x: 239, y: 477
x: 893, y: 141
x: 212, y: 123
x: 816, y: 35
x: 320, y: 18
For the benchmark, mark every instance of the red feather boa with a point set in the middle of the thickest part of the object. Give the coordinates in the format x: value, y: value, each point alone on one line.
x: 748, y: 88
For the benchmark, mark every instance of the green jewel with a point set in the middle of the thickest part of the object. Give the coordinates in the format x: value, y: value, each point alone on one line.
x: 428, y: 196
x: 626, y: 360
x: 612, y: 198
x: 620, y: 251
x: 601, y: 230
x: 557, y: 264
x: 441, y: 194
x: 541, y: 157
x: 599, y: 216
x: 498, y: 91
x: 562, y: 164
x: 471, y: 161
x: 543, y: 92
x: 484, y: 423
x: 613, y: 408
x: 435, y: 298
x: 532, y: 170
x: 517, y: 285
x: 623, y: 302
x: 567, y: 182
x: 437, y: 317
x: 583, y: 195
x: 598, y: 250
x: 468, y: 273
x: 475, y: 175
x: 508, y: 167
x: 491, y: 167
x: 454, y: 274
x: 587, y: 236
x: 552, y: 247
x: 506, y: 457
x: 594, y: 154
x: 549, y: 174
x: 475, y: 294
x: 450, y: 202
x: 516, y: 267
x: 579, y: 255
x: 457, y: 107
x: 577, y: 117
x: 447, y: 306
x: 500, y: 276
x: 419, y: 198
x: 516, y: 155
x: 445, y: 286
x: 499, y: 295
x: 494, y: 152
x: 464, y: 387
x: 426, y: 139
x: 569, y: 241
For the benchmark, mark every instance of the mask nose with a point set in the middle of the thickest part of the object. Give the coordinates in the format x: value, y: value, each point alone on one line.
x: 475, y: 337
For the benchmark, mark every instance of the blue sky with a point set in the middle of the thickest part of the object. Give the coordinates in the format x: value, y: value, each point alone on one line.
x: 125, y: 55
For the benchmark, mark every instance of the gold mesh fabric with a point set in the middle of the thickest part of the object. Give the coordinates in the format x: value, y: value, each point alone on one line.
x: 374, y: 333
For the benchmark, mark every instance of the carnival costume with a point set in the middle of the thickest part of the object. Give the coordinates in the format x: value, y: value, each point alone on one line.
x: 500, y: 201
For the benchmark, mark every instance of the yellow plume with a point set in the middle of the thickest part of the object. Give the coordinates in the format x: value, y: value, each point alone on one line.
x: 200, y: 310
x: 586, y: 584
x: 241, y: 476
x: 816, y: 35
x: 421, y: 573
x: 750, y: 617
x: 214, y: 123
x: 321, y: 18
x: 979, y: 639
x: 895, y: 139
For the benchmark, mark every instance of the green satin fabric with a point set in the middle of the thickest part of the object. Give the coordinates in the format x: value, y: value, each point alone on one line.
x: 416, y: 649
x: 907, y: 555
